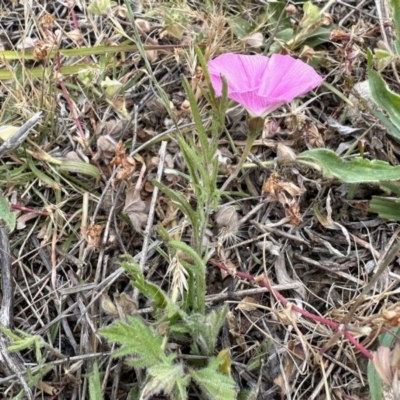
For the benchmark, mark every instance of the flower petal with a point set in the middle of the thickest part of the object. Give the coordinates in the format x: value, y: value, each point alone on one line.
x: 286, y: 78
x: 256, y: 105
x: 242, y: 73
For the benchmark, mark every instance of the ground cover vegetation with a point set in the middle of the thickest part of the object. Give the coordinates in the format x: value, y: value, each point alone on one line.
x: 199, y: 199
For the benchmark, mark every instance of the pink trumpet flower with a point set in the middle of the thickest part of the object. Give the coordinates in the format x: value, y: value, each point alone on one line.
x: 262, y: 84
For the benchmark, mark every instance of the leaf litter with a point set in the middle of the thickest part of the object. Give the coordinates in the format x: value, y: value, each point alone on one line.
x: 302, y: 235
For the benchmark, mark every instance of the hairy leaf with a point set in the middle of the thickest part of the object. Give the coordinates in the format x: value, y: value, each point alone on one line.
x: 6, y: 214
x: 205, y: 330
x: 214, y: 384
x: 167, y: 379
x: 248, y: 394
x: 355, y: 171
x: 95, y: 384
x: 136, y: 340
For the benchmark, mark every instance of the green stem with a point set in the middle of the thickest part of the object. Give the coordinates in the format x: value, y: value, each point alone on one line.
x: 271, y: 163
x: 249, y: 144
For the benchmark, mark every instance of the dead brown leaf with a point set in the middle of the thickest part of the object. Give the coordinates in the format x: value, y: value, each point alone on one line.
x: 293, y: 212
x: 392, y: 315
x: 134, y: 209
x: 107, y: 305
x: 92, y: 235
x: 124, y: 161
x: 247, y: 304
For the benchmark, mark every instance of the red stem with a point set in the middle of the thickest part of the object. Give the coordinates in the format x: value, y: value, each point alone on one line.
x: 70, y: 5
x: 324, y: 321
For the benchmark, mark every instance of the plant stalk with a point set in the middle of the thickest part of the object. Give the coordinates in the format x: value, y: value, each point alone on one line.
x: 255, y: 127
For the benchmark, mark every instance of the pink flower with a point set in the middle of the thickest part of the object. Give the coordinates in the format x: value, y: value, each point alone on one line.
x: 262, y: 84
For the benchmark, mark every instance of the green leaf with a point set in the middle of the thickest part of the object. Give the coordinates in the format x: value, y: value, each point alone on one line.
x: 152, y: 292
x: 23, y: 341
x: 179, y: 200
x: 101, y: 7
x: 275, y: 10
x: 374, y: 382
x: 318, y: 36
x: 388, y: 338
x: 214, y: 384
x: 137, y: 340
x: 337, y: 93
x: 167, y: 379
x: 6, y: 214
x: 259, y: 354
x: 195, y: 113
x: 390, y: 187
x: 95, y: 384
x: 80, y: 168
x: 392, y: 129
x: 199, y: 271
x: 311, y: 14
x: 42, y: 176
x: 383, y: 96
x: 240, y: 27
x: 386, y: 207
x: 286, y: 35
x: 395, y: 5
x: 249, y: 394
x: 357, y: 170
x: 204, y: 330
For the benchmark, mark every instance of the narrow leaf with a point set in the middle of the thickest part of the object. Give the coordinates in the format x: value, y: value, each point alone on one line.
x: 179, y: 200
x: 6, y: 214
x: 374, y: 382
x: 382, y: 95
x: 152, y: 292
x: 42, y: 176
x: 94, y: 383
x: 395, y: 5
x: 80, y: 168
x: 386, y: 207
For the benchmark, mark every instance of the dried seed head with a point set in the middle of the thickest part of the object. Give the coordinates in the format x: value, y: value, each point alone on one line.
x: 152, y: 55
x: 271, y: 128
x: 224, y: 161
x: 227, y: 222
x: 143, y: 25
x: 255, y: 40
x: 284, y: 153
x: 179, y: 275
x: 107, y: 305
x: 47, y: 21
x: 76, y: 36
x: 291, y: 9
x: 40, y: 51
x: 327, y: 19
x: 337, y: 35
x: 313, y: 136
x: 185, y: 107
x: 307, y: 53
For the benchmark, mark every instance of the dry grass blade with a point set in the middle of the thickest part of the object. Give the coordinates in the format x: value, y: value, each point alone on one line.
x: 305, y: 275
